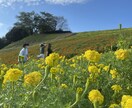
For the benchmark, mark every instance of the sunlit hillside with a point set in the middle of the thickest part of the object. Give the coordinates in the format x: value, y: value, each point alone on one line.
x: 68, y: 44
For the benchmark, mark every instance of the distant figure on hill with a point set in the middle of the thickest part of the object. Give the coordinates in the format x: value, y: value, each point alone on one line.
x: 23, y: 54
x: 42, y: 47
x: 48, y: 49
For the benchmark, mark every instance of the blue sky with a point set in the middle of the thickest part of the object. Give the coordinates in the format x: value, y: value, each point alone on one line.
x: 82, y: 15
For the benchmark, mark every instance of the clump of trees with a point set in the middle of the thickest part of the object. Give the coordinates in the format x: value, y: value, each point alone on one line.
x: 29, y: 23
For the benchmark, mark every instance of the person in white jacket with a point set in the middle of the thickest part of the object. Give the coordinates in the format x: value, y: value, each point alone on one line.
x: 23, y: 55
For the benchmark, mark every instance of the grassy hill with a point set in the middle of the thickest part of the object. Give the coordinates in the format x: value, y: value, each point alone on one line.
x: 68, y: 44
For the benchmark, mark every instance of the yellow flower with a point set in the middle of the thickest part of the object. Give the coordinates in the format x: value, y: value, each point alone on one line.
x: 73, y: 60
x: 57, y: 78
x: 95, y: 96
x: 32, y: 79
x: 93, y: 69
x: 54, y: 70
x: 12, y: 75
x: 1, y: 74
x: 41, y: 66
x: 124, y: 100
x: 128, y: 103
x: 106, y: 68
x: 52, y: 59
x: 101, y: 65
x: 64, y: 86
x: 92, y: 55
x: 93, y: 77
x: 114, y: 73
x: 73, y: 65
x: 4, y: 67
x: 79, y: 90
x: 114, y: 106
x: 62, y: 59
x: 121, y: 54
x: 80, y: 57
x: 116, y: 88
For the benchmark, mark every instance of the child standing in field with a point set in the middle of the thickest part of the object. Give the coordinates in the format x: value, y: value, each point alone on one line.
x: 48, y: 49
x: 23, y: 54
x: 41, y: 55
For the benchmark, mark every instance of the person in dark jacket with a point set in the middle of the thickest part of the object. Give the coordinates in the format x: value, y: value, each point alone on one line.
x: 48, y: 49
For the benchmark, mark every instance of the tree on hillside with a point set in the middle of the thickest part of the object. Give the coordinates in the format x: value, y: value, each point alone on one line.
x: 16, y: 33
x: 26, y: 20
x: 47, y: 22
x: 62, y: 24
x: 3, y: 42
x: 36, y: 23
x: 40, y: 23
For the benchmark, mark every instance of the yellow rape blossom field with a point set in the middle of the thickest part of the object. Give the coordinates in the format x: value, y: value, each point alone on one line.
x: 90, y: 80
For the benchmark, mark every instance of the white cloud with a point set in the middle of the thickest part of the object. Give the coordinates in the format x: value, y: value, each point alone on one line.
x: 1, y: 24
x: 6, y: 3
x: 65, y: 1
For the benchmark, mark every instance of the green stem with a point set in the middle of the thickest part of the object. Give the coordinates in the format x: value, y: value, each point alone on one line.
x: 78, y: 98
x: 86, y: 88
x: 45, y: 76
x: 74, y: 81
x: 34, y: 90
x: 13, y: 93
x: 95, y: 105
x: 51, y: 77
x: 73, y: 104
x: 12, y: 88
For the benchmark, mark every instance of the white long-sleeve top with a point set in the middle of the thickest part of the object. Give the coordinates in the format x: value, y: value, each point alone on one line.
x: 24, y: 53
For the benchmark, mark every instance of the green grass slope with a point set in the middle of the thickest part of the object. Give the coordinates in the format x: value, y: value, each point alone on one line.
x: 68, y: 44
